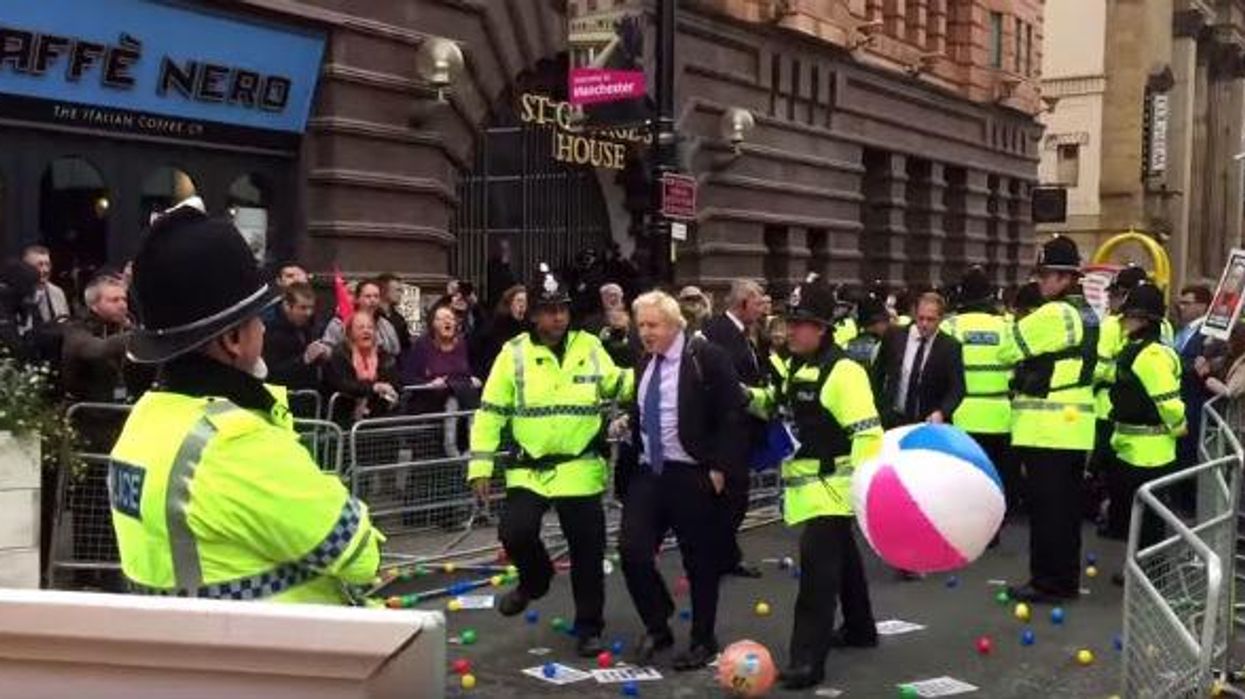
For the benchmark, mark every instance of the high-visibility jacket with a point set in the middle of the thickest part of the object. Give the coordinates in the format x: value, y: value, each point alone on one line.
x: 1054, y: 350
x: 987, y: 407
x: 827, y: 403
x: 212, y: 500
x: 864, y: 348
x: 845, y: 331
x: 1111, y: 341
x: 1147, y: 410
x: 553, y: 411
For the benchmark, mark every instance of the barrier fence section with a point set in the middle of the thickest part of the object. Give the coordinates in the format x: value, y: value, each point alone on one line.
x: 1178, y: 597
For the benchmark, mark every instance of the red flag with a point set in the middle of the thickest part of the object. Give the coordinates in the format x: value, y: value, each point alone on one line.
x: 345, y: 302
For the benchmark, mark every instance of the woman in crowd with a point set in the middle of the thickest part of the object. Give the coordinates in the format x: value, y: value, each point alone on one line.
x: 366, y: 298
x: 1230, y: 381
x: 509, y: 320
x: 439, y: 361
x: 362, y: 371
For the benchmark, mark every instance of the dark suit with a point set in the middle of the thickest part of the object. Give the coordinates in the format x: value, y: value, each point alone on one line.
x: 710, y: 411
x: 722, y: 331
x: 940, y: 384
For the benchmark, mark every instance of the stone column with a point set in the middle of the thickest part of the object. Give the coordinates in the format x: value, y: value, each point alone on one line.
x: 882, y: 243
x: 918, y: 268
x: 976, y: 218
x: 1186, y: 28
x: 954, y: 221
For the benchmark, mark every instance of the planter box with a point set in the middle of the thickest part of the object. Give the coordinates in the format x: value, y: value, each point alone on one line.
x: 19, y: 511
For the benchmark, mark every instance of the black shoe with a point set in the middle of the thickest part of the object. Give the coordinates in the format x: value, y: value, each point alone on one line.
x: 588, y: 646
x: 696, y: 657
x: 513, y: 602
x: 842, y: 639
x: 800, y: 677
x: 745, y: 570
x: 652, y: 645
x: 1034, y: 595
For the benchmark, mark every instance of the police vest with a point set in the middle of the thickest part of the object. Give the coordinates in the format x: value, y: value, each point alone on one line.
x: 986, y: 408
x: 1129, y: 401
x: 214, y: 501
x: 864, y: 348
x: 1147, y: 409
x: 1035, y: 374
x: 548, y: 414
x: 821, y: 437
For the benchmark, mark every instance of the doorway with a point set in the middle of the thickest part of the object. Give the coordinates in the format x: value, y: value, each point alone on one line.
x: 74, y: 202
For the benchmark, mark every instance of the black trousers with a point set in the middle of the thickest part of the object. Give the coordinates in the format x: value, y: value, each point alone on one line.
x: 1055, y: 480
x: 737, y: 487
x: 999, y: 448
x: 831, y: 575
x: 681, y: 498
x: 1124, y: 480
x: 583, y: 524
x: 1101, y: 461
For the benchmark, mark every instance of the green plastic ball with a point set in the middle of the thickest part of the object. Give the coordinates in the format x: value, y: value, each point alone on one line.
x: 468, y: 637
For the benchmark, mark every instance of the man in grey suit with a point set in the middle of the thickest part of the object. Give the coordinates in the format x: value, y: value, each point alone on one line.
x: 49, y: 298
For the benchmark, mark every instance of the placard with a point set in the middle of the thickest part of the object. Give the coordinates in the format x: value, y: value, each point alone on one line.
x: 1225, y: 307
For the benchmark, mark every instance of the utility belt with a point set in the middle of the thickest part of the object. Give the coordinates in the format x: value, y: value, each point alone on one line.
x: 1033, y: 376
x: 548, y: 462
x: 826, y: 466
x: 1141, y: 430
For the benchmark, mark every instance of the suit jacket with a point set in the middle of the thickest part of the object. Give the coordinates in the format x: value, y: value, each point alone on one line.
x: 711, y: 408
x: 722, y: 331
x: 941, y: 383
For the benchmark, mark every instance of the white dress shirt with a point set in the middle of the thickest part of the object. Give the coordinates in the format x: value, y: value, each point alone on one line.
x: 909, y: 358
x: 672, y: 448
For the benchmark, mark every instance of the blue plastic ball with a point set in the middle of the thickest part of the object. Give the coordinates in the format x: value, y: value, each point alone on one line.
x: 795, y: 573
x: 549, y: 670
x: 1056, y: 615
x: 1118, y: 642
x: 630, y: 689
x: 685, y: 615
x: 953, y: 582
x: 1091, y: 558
x: 1027, y: 638
x: 616, y: 647
x: 532, y: 616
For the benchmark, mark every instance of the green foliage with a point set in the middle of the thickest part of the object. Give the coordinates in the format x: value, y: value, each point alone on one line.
x: 28, y: 406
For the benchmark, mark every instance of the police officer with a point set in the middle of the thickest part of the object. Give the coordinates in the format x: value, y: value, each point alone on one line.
x: 986, y: 412
x: 1053, y: 420
x: 212, y: 494
x: 873, y: 319
x: 1147, y: 412
x: 820, y: 395
x: 546, y: 391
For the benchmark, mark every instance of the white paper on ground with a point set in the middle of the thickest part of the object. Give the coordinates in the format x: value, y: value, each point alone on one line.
x: 828, y: 692
x: 996, y: 583
x: 539, y: 651
x: 626, y: 674
x: 941, y: 687
x: 564, y: 675
x: 894, y: 627
x: 469, y: 602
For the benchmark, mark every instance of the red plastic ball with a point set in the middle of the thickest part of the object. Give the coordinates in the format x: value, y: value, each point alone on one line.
x: 985, y: 645
x: 605, y: 659
x: 462, y: 666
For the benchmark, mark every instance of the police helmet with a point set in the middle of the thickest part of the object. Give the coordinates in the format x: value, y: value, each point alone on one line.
x: 1059, y: 254
x: 548, y: 290
x: 812, y: 301
x: 1145, y: 301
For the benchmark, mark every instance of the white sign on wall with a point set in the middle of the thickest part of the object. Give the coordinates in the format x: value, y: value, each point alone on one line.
x: 1159, y: 115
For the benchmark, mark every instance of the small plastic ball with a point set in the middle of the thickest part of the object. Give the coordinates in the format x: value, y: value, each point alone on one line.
x: 454, y: 605
x: 1091, y: 572
x: 616, y: 647
x: 409, y: 601
x: 681, y: 586
x: 1022, y: 612
x: 630, y: 689
x: 605, y: 659
x: 449, y: 568
x: 762, y: 609
x: 511, y: 570
x: 406, y: 575
x: 1002, y: 597
x: 558, y: 624
x: 786, y: 562
x: 1085, y: 656
x: 532, y: 616
x: 953, y: 582
x: 394, y: 602
x: 686, y: 614
x: 1069, y: 413
x: 496, y: 580
x: 468, y: 681
x: 1056, y: 615
x: 907, y: 691
x: 462, y: 666
x: 1118, y: 642
x: 984, y: 645
x: 468, y: 637
x: 1027, y: 638
x: 1091, y: 558
x: 549, y: 670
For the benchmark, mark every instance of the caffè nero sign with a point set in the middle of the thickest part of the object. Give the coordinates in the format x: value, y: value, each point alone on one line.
x: 605, y: 148
x: 152, y: 68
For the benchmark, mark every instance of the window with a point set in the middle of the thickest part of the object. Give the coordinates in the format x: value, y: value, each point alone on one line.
x: 1028, y: 49
x: 248, y: 207
x: 74, y: 205
x: 915, y: 24
x: 1020, y: 35
x: 996, y: 40
x: 1068, y: 164
x: 936, y: 26
x: 164, y: 188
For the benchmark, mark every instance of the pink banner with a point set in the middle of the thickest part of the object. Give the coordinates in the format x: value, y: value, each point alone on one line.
x: 597, y: 85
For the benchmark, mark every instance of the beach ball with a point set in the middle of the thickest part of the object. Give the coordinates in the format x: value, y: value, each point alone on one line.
x: 745, y: 669
x: 930, y: 501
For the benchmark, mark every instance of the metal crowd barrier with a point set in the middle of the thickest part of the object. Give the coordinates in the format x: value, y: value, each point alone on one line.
x: 1178, y: 597
x: 306, y: 403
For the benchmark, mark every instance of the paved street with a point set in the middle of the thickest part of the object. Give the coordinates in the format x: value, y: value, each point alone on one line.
x: 955, y: 616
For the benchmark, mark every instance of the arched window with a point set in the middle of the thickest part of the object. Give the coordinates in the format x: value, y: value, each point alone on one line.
x: 163, y: 188
x: 249, y: 201
x: 74, y: 201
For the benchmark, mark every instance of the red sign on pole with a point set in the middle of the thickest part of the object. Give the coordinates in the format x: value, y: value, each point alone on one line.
x: 678, y: 197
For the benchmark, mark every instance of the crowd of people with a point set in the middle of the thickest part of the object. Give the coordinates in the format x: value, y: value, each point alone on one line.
x: 1051, y: 391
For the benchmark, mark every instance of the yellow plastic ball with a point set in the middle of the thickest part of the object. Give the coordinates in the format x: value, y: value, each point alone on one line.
x: 1069, y: 413
x: 1091, y: 572
x: 454, y: 605
x: 511, y: 570
x: 1085, y: 656
x: 449, y: 568
x: 762, y: 609
x: 496, y: 581
x: 1022, y: 612
x: 468, y: 681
